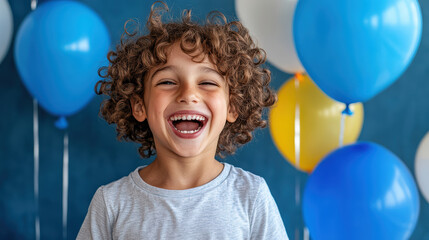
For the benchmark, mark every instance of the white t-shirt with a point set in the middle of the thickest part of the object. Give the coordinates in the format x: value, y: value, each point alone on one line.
x: 235, y: 205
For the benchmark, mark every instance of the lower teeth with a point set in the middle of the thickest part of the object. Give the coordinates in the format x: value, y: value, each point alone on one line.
x: 189, y: 132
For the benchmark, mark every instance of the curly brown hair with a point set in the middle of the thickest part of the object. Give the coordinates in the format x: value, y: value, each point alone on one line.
x: 228, y: 46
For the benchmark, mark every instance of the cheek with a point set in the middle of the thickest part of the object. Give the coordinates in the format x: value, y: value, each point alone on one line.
x: 219, y: 98
x: 154, y: 110
x: 154, y: 101
x: 219, y: 106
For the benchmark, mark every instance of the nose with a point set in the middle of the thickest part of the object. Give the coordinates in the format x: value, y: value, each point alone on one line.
x: 187, y: 94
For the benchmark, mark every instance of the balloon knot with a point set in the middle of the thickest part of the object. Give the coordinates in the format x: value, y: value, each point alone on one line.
x: 299, y: 76
x: 61, y: 123
x: 347, y: 110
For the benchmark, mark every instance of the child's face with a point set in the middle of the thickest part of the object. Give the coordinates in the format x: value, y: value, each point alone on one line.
x: 186, y: 105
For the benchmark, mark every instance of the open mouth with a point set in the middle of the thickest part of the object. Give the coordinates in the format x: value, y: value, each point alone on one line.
x: 188, y: 123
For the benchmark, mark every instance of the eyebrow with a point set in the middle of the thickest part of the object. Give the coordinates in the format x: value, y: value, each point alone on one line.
x: 172, y: 68
x: 209, y: 70
x: 160, y: 70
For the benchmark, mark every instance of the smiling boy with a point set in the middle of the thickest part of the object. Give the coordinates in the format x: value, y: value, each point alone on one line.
x: 186, y: 104
x: 186, y: 92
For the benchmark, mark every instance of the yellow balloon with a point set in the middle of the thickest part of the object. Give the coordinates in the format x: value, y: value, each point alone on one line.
x: 305, y: 123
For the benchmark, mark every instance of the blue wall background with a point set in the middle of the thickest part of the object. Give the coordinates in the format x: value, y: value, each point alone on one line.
x: 397, y: 118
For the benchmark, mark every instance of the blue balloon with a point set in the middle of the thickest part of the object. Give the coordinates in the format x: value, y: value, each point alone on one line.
x: 355, y: 49
x: 58, y: 50
x: 361, y: 191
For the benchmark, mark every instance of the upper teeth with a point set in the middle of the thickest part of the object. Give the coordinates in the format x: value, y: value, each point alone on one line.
x: 187, y: 117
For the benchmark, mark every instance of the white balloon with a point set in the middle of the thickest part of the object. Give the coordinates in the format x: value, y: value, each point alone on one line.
x: 421, y: 166
x: 270, y: 23
x: 6, y: 27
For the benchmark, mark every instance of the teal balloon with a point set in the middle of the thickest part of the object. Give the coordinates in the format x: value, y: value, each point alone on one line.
x: 58, y: 50
x: 361, y: 191
x: 355, y: 49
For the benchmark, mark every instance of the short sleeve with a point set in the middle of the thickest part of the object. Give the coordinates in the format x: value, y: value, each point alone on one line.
x: 97, y: 224
x: 266, y: 222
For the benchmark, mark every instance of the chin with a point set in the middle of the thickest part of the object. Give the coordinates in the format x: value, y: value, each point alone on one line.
x: 188, y: 154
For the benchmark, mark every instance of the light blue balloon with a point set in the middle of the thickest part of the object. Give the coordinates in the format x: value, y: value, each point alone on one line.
x: 355, y: 49
x: 361, y: 191
x: 58, y: 50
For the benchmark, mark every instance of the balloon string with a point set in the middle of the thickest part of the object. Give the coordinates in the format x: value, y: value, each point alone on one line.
x: 36, y: 154
x: 65, y: 183
x: 33, y: 4
x: 306, y: 234
x: 36, y: 167
x: 346, y: 111
x: 297, y: 142
x: 297, y: 126
x: 296, y: 234
x: 297, y: 191
x: 343, y: 118
x: 297, y: 199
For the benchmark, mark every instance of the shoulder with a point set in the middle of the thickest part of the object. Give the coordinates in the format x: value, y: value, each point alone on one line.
x: 242, y: 178
x: 117, y: 191
x: 246, y: 184
x: 118, y: 185
x: 264, y: 216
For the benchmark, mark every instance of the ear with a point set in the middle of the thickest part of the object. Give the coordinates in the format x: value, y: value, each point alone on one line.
x: 138, y: 109
x: 232, y: 114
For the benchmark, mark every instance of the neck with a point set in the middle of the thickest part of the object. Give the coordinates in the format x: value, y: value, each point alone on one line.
x: 179, y: 174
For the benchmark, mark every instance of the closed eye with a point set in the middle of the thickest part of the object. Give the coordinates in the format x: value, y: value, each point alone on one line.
x: 209, y: 83
x: 166, y: 82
